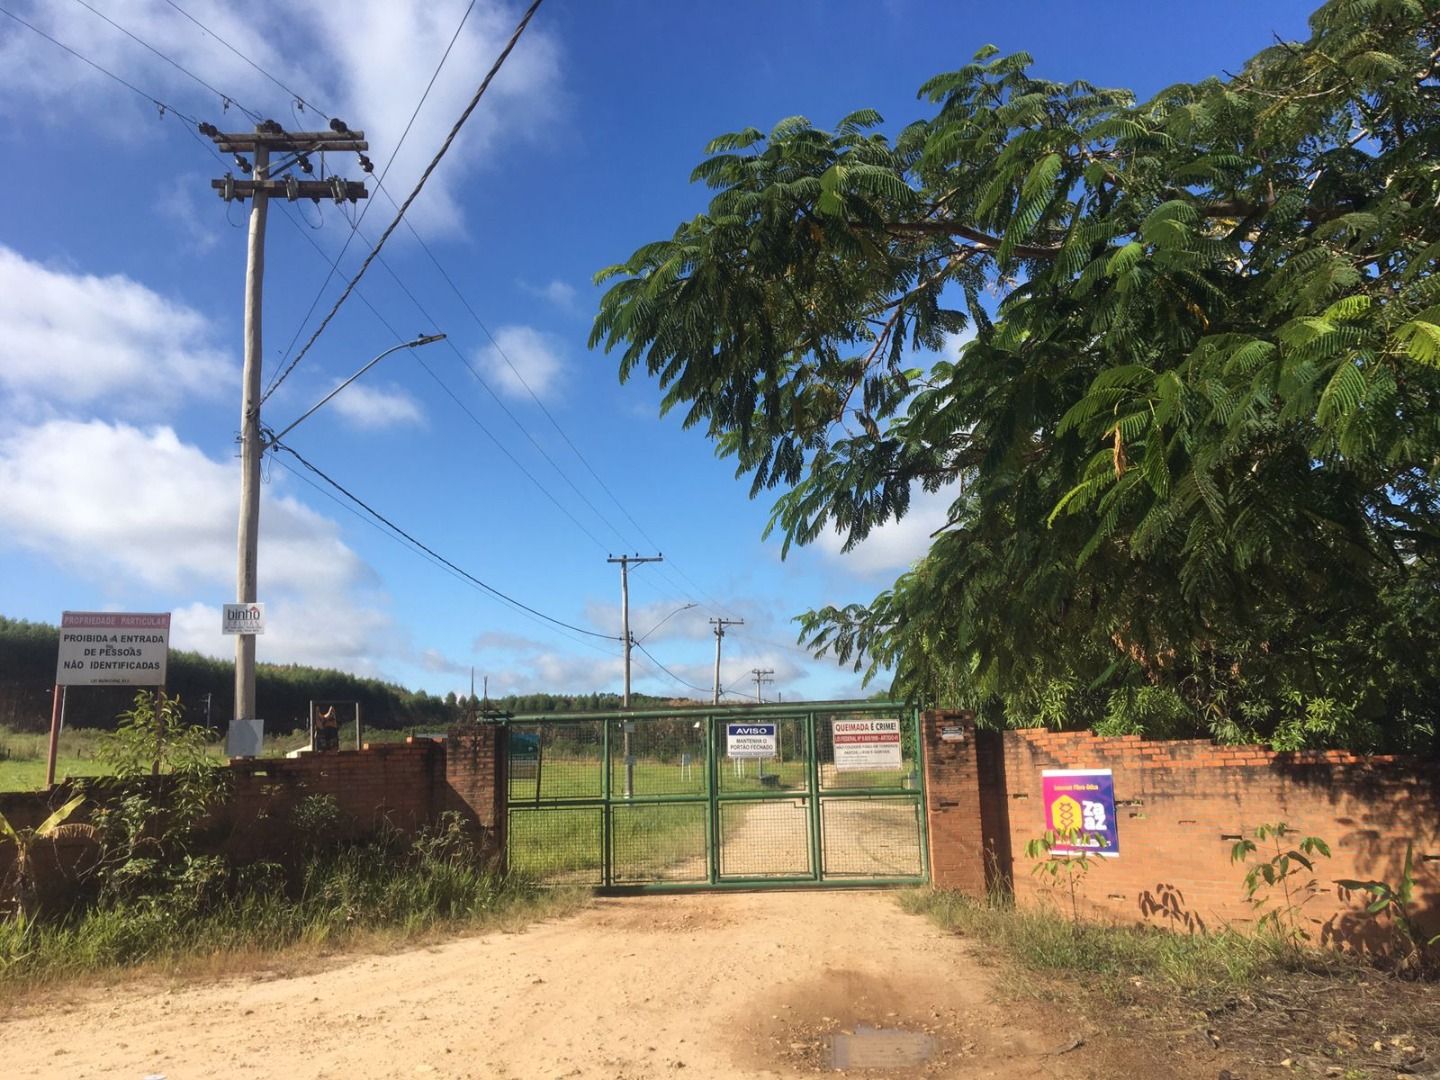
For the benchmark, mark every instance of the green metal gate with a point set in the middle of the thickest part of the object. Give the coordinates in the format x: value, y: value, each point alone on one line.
x: 653, y: 800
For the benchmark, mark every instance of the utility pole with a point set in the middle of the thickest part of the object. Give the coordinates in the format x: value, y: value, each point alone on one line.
x: 267, y: 137
x: 720, y: 625
x: 761, y: 677
x: 625, y: 561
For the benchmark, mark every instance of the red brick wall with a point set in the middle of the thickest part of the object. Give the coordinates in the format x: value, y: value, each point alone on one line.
x: 394, y: 784
x: 399, y: 785
x: 953, y: 802
x: 1180, y: 806
x: 474, y: 764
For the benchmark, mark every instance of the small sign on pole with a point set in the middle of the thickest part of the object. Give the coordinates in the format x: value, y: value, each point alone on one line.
x: 242, y: 619
x: 864, y: 745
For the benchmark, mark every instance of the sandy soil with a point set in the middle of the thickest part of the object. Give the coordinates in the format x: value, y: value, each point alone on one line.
x: 706, y: 985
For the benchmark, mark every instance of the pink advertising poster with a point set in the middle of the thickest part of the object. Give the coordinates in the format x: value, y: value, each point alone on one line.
x: 1080, y: 805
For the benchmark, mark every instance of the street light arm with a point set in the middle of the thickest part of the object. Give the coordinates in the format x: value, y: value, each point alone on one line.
x: 663, y: 621
x: 426, y: 339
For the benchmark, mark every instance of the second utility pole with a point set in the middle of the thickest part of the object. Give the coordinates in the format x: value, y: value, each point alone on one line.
x: 625, y: 561
x: 720, y: 625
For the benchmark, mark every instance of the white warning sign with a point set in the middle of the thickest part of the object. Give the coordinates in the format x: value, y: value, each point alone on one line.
x: 751, y: 740
x: 866, y: 744
x: 113, y: 648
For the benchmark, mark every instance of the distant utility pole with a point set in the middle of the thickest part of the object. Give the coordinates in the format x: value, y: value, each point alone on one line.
x: 267, y: 137
x: 761, y: 677
x: 625, y: 561
x: 720, y: 625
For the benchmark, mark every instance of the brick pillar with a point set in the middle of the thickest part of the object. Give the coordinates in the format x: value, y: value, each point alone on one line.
x: 953, y: 802
x: 474, y: 778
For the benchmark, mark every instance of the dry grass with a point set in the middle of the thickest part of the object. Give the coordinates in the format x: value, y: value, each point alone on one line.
x: 1238, y: 998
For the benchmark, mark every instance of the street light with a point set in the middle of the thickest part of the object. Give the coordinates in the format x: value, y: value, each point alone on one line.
x: 271, y: 440
x: 663, y: 621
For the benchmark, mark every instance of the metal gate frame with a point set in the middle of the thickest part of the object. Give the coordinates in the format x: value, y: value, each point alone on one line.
x: 605, y: 801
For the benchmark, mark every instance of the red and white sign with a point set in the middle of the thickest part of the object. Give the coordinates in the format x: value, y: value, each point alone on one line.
x: 866, y: 744
x: 113, y: 648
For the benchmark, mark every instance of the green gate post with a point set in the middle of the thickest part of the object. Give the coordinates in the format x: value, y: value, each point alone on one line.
x: 813, y: 781
x: 606, y: 820
x: 712, y: 793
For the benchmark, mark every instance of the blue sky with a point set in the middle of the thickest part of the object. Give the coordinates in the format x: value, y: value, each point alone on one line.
x: 121, y: 279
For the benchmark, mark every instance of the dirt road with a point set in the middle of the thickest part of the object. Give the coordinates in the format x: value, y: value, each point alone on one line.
x: 714, y: 985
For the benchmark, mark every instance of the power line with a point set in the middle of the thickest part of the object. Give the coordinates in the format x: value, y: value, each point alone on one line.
x: 419, y: 186
x: 667, y: 671
x: 431, y: 551
x: 393, y: 538
x: 252, y: 63
x: 714, y: 604
x: 380, y: 183
x: 224, y: 97
x: 164, y: 107
x: 506, y: 451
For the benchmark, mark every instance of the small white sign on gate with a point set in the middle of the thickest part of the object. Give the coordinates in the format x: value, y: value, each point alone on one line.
x: 866, y: 744
x: 751, y: 740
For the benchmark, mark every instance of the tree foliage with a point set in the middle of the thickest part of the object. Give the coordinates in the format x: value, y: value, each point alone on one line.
x: 1192, y: 437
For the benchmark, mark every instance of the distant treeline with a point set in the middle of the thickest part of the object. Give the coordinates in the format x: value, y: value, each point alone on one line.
x: 206, y: 687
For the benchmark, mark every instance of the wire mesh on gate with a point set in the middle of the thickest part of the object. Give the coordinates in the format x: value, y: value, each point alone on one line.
x: 657, y: 755
x: 549, y: 761
x: 871, y: 838
x: 663, y: 841
x: 557, y: 845
x: 765, y: 838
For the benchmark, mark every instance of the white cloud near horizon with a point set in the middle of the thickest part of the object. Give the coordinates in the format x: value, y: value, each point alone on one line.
x: 367, y: 61
x: 78, y: 340
x: 135, y: 511
x: 534, y: 361
x: 104, y: 498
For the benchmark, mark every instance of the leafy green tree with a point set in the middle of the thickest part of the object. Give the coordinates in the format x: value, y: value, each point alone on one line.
x: 1193, y: 438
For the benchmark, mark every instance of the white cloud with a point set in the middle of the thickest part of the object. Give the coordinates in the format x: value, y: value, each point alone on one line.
x: 896, y: 545
x: 533, y: 361
x: 367, y: 61
x: 559, y: 293
x: 326, y: 630
x: 78, y: 340
x: 134, y: 510
x: 111, y: 499
x: 381, y: 406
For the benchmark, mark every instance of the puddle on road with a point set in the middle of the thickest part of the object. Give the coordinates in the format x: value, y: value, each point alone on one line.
x: 880, y: 1048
